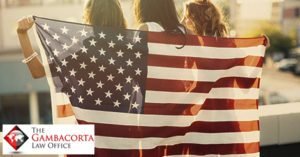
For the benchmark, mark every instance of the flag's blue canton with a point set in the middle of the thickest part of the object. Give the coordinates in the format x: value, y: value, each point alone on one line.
x: 98, y: 68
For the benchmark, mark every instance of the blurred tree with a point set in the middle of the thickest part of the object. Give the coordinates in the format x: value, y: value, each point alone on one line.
x: 279, y: 42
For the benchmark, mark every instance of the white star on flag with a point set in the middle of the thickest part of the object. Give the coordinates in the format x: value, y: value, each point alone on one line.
x: 64, y: 30
x: 92, y: 42
x: 98, y: 101
x: 136, y: 88
x: 65, y: 46
x: 73, y: 72
x: 129, y: 62
x: 117, y: 104
x: 102, y: 52
x: 120, y: 37
x: 64, y: 62
x: 128, y: 79
x: 102, y: 68
x: 111, y: 44
x: 126, y: 96
x: 46, y: 27
x: 83, y: 65
x: 56, y: 37
x: 121, y: 70
x: 137, y: 39
x: 111, y: 61
x: 138, y: 55
x: 90, y: 92
x: 56, y: 53
x: 108, y: 94
x: 80, y: 99
x: 138, y: 72
x: 66, y: 79
x: 119, y: 87
x: 81, y: 82
x: 102, y: 35
x: 129, y: 46
x: 93, y: 59
x: 92, y: 75
x: 73, y: 89
x: 58, y: 69
x: 110, y: 77
x: 100, y: 85
x: 74, y: 40
x: 84, y: 49
x: 135, y: 105
x: 48, y: 42
x: 120, y: 53
x: 83, y: 32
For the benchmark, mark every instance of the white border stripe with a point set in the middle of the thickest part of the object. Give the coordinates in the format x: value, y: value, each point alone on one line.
x: 199, y: 98
x: 217, y: 155
x: 195, y: 138
x: 60, y: 99
x: 66, y: 120
x: 205, y: 52
x: 56, y: 99
x: 202, y: 75
x: 124, y: 119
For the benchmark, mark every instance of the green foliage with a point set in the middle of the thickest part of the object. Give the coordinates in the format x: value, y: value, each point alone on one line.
x: 279, y: 42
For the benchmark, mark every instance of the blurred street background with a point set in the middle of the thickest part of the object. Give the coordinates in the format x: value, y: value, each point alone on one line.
x: 21, y: 96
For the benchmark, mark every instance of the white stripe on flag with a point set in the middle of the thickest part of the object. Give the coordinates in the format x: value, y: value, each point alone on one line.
x: 66, y: 120
x: 124, y: 119
x: 202, y: 75
x: 194, y: 138
x: 199, y: 98
x: 60, y: 99
x: 205, y: 52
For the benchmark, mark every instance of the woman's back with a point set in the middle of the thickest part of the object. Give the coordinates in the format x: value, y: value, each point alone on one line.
x: 154, y: 27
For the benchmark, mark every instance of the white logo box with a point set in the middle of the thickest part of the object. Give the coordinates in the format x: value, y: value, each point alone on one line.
x: 52, y: 139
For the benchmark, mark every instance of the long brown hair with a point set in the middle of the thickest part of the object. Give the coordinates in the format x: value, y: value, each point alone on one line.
x: 105, y: 13
x: 162, y: 12
x: 206, y: 18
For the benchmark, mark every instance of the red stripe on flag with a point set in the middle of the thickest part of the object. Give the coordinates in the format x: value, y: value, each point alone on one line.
x: 167, y: 38
x: 203, y: 63
x: 165, y: 132
x: 181, y: 149
x: 193, y: 109
x: 200, y: 87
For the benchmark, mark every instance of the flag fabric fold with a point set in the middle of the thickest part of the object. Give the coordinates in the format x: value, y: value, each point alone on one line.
x: 148, y: 97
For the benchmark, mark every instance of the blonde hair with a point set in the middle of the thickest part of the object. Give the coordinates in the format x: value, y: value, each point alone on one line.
x: 105, y: 13
x: 206, y: 19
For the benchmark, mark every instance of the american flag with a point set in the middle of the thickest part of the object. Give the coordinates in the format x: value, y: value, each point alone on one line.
x: 147, y: 97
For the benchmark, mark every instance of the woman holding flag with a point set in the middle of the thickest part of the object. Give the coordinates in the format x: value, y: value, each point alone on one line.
x: 104, y: 13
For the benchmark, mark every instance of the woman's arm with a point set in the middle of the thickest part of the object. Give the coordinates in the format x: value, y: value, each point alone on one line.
x: 35, y: 66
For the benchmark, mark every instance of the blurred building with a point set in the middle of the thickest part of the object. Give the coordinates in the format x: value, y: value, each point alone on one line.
x: 246, y: 15
x: 20, y: 95
x: 291, y: 18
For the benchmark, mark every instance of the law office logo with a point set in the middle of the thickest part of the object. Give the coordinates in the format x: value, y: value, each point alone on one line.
x: 48, y: 139
x: 16, y: 137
